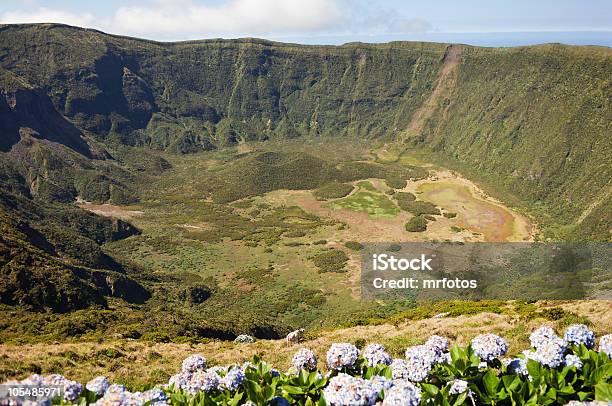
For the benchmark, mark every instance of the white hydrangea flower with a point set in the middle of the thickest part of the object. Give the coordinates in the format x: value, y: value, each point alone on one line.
x: 306, y: 359
x: 342, y: 355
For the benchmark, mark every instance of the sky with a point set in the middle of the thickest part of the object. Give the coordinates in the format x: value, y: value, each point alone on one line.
x: 477, y: 22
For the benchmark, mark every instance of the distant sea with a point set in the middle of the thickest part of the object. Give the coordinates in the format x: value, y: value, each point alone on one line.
x: 489, y: 39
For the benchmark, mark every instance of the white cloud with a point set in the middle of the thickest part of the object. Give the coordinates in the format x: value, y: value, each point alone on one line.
x: 233, y: 18
x: 46, y: 15
x: 189, y: 19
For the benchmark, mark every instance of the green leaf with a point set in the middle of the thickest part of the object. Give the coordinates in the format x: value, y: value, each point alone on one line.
x: 491, y: 382
x: 603, y: 391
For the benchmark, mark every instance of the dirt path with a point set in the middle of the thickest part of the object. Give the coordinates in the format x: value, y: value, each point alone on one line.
x: 445, y: 82
x: 108, y: 210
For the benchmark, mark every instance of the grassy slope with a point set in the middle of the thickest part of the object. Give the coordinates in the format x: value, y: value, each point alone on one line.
x: 138, y: 364
x: 536, y: 120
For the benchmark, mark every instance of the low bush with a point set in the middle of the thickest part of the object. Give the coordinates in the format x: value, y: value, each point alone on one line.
x: 418, y: 207
x: 395, y: 182
x: 332, y: 190
x: 449, y: 215
x: 353, y: 245
x: 331, y: 261
x: 416, y: 224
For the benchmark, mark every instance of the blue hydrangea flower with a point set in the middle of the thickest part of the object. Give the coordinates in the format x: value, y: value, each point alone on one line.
x: 381, y: 383
x: 605, y: 344
x: 400, y: 369
x: 548, y: 354
x: 517, y: 366
x: 180, y: 380
x: 233, y: 379
x: 573, y: 361
x: 306, y: 359
x: 279, y: 401
x: 489, y: 346
x: 402, y: 393
x: 203, y: 381
x: 420, y: 359
x: 98, y: 385
x: 345, y: 390
x: 193, y: 363
x: 342, y: 355
x: 545, y: 336
x: 580, y: 334
x: 72, y: 390
x: 375, y: 354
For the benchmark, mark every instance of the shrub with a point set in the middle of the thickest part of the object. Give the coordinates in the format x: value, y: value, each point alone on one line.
x: 319, y: 242
x: 295, y: 234
x: 418, y: 207
x: 395, y: 182
x: 353, y: 245
x: 416, y: 224
x: 403, y: 199
x: 331, y: 261
x: 449, y: 215
x: 332, y: 190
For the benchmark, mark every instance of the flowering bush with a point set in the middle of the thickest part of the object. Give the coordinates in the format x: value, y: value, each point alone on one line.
x: 554, y: 371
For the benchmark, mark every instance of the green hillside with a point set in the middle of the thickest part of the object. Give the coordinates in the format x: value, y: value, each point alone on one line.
x: 175, y: 128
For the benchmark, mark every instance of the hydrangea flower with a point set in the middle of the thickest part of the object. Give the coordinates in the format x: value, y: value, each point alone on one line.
x: 517, y: 366
x: 549, y: 348
x: 573, y: 361
x: 489, y: 346
x: 375, y: 354
x: 458, y: 386
x: 116, y: 399
x: 545, y: 336
x: 605, y: 344
x: 203, y: 381
x: 279, y: 401
x: 154, y: 395
x: 98, y: 385
x: 420, y: 359
x: 180, y: 380
x: 244, y: 339
x: 547, y: 354
x: 400, y: 369
x: 116, y: 388
x: 381, y: 383
x: 233, y: 379
x: 193, y: 363
x: 39, y: 380
x: 306, y: 359
x: 438, y: 343
x: 341, y: 355
x: 72, y: 390
x: 580, y: 334
x: 345, y: 390
x: 402, y: 393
